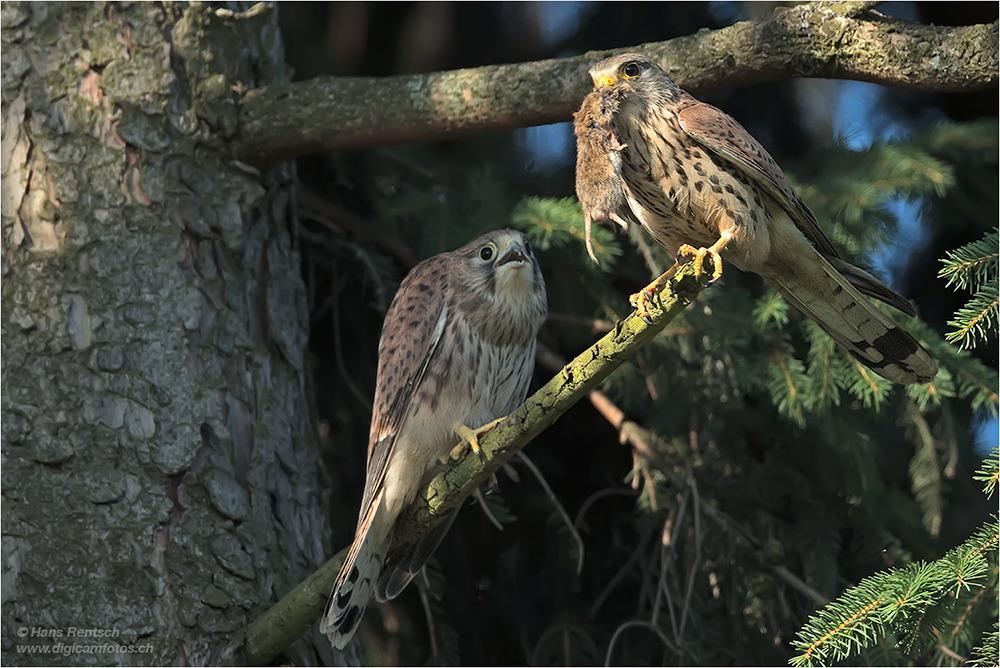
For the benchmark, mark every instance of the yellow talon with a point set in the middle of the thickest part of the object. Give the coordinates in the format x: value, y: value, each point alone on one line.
x: 641, y: 300
x: 470, y: 439
x: 698, y: 255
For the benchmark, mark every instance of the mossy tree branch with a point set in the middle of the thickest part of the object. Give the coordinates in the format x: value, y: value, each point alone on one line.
x: 835, y: 40
x: 292, y: 616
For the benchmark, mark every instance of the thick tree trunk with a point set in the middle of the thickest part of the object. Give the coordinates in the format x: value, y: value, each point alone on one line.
x: 161, y: 481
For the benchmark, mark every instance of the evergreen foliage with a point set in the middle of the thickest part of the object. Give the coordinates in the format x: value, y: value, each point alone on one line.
x: 852, y: 193
x: 986, y: 654
x: 910, y: 601
x: 769, y: 348
x: 975, y: 268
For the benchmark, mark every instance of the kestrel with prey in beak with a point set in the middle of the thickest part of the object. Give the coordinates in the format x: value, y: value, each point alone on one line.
x: 703, y: 187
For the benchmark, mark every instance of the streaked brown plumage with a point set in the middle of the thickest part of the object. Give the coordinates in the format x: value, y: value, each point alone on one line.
x: 457, y: 349
x: 598, y: 163
x: 703, y: 186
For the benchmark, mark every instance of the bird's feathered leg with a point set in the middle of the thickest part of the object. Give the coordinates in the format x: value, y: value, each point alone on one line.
x: 640, y: 300
x: 698, y: 255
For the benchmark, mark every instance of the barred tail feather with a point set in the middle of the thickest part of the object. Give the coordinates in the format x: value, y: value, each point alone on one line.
x: 356, y: 580
x: 832, y: 300
x: 351, y: 593
x: 869, y: 285
x: 401, y: 568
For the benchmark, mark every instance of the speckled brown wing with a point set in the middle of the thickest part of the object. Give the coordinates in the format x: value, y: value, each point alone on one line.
x: 413, y: 328
x: 410, y: 338
x: 720, y: 133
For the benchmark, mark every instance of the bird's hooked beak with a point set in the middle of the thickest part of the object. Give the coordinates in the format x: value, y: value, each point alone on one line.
x: 604, y: 82
x: 514, y: 252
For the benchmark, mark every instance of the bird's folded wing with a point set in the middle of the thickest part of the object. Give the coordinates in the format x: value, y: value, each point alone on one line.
x: 417, y: 317
x: 721, y: 134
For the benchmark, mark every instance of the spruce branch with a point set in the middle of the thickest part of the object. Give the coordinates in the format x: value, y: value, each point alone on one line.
x: 986, y: 654
x: 974, y: 267
x: 972, y: 264
x: 896, y: 599
x: 651, y: 448
x: 818, y: 39
x: 283, y: 623
x: 988, y: 473
x: 976, y: 320
x: 559, y: 222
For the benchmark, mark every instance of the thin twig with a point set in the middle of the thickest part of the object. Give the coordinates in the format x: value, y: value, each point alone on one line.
x: 697, y: 548
x: 648, y: 581
x: 638, y: 622
x: 486, y: 510
x: 425, y: 601
x: 562, y: 511
x: 641, y: 240
x: 565, y: 628
x: 339, y: 352
x: 595, y: 325
x: 596, y: 496
x: 665, y: 590
x: 339, y: 220
x: 616, y: 579
x: 641, y: 439
x: 668, y: 564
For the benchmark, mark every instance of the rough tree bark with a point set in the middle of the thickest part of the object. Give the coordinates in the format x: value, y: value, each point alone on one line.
x: 155, y: 404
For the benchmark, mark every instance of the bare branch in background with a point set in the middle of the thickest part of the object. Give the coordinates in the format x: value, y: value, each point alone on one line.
x: 819, y: 39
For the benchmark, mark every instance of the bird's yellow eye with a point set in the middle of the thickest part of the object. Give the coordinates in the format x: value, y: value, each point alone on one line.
x: 486, y: 253
x: 630, y: 71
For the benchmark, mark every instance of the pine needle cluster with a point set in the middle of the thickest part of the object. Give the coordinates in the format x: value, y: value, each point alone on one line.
x: 925, y: 606
x: 975, y: 268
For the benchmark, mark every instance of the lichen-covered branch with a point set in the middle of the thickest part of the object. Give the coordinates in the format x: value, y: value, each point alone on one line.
x: 283, y: 623
x: 834, y: 40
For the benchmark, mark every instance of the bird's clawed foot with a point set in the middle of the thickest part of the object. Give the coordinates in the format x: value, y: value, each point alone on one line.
x: 697, y: 256
x: 470, y: 439
x: 641, y: 300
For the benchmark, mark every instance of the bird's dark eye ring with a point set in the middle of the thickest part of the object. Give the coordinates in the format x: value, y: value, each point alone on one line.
x: 631, y: 70
x: 527, y: 247
x: 486, y: 253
